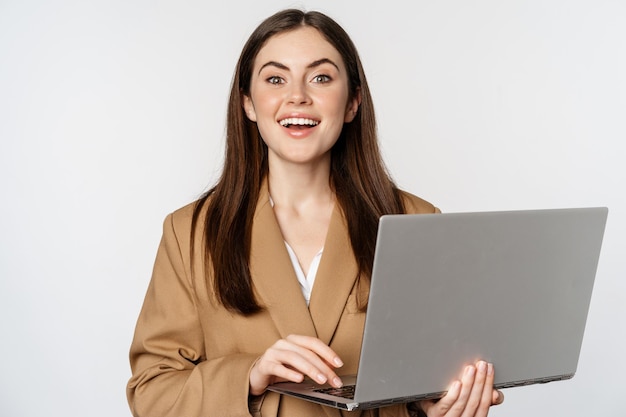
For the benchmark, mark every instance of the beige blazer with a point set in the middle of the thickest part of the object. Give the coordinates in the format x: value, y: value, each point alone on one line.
x: 190, y: 357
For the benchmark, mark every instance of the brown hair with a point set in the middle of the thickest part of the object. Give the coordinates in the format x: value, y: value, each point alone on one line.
x: 362, y: 185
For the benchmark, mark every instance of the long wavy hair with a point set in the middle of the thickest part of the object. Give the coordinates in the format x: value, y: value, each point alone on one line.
x: 358, y: 176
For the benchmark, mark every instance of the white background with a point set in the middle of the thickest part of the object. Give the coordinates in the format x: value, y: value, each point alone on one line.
x: 112, y: 115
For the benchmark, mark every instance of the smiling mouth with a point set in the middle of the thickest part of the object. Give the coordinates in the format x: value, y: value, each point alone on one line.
x: 298, y: 122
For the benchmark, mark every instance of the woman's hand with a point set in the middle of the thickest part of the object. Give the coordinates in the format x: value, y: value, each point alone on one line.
x: 471, y: 396
x: 293, y: 358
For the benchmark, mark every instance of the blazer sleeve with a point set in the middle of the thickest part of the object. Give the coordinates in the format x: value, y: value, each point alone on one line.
x: 170, y: 374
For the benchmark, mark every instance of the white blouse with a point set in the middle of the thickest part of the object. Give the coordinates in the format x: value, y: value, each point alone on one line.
x: 306, y: 280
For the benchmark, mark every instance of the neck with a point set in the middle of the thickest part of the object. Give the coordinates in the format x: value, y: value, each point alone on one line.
x: 294, y: 185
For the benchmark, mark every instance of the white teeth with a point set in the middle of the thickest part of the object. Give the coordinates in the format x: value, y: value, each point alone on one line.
x: 298, y: 121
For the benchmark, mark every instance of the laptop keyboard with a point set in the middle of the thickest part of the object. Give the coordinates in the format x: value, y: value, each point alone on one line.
x: 347, y: 391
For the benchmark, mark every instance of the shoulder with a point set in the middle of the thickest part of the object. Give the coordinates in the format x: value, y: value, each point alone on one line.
x: 416, y: 205
x: 179, y: 222
x: 184, y: 214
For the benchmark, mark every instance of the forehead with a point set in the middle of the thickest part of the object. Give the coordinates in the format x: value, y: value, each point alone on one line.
x: 299, y: 46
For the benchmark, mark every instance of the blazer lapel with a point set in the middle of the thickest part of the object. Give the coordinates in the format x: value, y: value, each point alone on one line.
x: 335, y: 278
x: 273, y: 276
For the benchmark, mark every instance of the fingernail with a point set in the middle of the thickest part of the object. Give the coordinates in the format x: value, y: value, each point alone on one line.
x: 482, y: 366
x: 337, y: 382
x: 321, y: 379
x: 489, y: 369
x: 338, y: 362
x: 469, y: 371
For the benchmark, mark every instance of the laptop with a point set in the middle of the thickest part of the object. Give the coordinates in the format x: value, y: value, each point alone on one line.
x: 510, y: 287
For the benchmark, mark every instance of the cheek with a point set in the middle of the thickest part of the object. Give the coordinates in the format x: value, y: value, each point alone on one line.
x: 336, y: 106
x: 340, y: 99
x: 265, y: 101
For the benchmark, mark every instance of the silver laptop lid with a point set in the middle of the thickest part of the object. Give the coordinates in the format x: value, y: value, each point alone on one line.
x: 512, y: 288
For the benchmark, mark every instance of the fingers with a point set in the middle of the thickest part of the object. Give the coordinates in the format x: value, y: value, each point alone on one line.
x: 314, y: 359
x: 320, y: 348
x: 483, y: 396
x: 482, y: 393
x: 293, y: 358
x: 445, y: 404
x: 470, y: 397
x: 497, y: 397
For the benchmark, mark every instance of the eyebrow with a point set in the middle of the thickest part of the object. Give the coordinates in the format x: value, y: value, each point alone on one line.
x: 311, y: 65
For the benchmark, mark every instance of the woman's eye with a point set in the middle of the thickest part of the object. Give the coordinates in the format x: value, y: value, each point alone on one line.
x: 321, y: 79
x: 275, y: 80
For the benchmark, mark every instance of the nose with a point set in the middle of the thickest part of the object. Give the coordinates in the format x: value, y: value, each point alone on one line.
x: 298, y: 93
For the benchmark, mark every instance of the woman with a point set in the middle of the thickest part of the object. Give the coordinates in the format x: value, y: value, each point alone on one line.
x: 265, y: 278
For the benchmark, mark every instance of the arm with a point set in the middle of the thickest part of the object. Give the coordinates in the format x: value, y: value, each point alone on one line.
x: 171, y: 376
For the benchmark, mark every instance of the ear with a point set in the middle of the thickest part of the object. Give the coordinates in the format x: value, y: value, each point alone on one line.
x: 353, y: 107
x: 248, y: 107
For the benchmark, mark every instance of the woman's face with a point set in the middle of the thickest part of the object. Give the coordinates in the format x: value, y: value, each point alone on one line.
x: 299, y: 96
